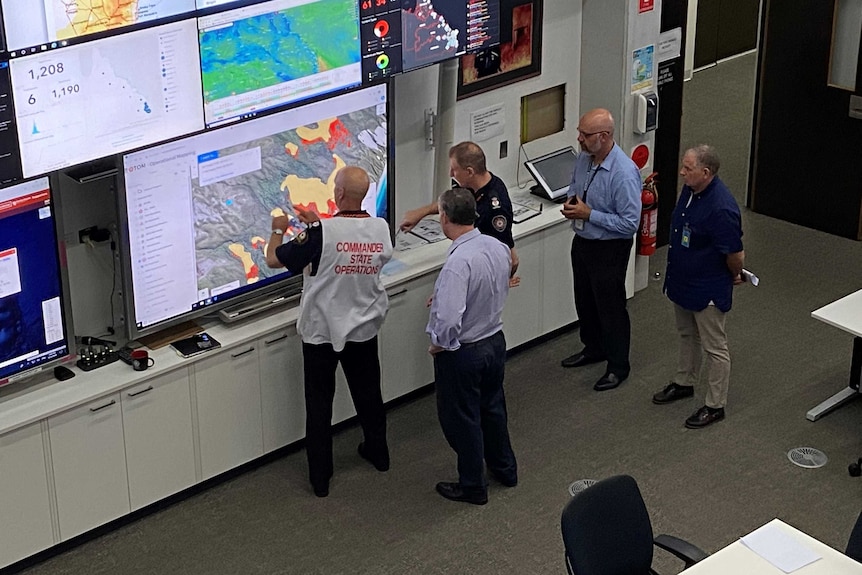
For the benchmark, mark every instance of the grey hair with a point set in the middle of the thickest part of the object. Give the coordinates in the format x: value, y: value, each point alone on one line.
x: 459, y: 205
x: 707, y: 157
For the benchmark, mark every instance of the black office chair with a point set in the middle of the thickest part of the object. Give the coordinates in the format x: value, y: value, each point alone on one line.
x: 854, y: 545
x: 607, y: 531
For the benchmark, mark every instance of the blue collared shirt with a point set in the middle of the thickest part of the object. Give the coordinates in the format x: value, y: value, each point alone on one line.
x: 613, y: 193
x: 470, y: 292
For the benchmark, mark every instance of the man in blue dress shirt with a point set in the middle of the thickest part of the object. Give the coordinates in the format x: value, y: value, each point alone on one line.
x: 604, y: 204
x: 704, y: 262
x: 466, y: 329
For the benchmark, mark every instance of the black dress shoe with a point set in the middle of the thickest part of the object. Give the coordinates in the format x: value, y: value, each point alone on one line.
x: 321, y: 490
x: 580, y: 358
x: 379, y: 461
x: 608, y: 381
x: 673, y: 392
x: 704, y: 416
x: 454, y: 492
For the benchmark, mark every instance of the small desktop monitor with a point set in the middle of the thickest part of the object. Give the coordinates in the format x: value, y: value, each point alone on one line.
x: 553, y: 173
x: 198, y: 210
x: 34, y: 325
x: 34, y: 23
x: 276, y: 53
x: 89, y: 100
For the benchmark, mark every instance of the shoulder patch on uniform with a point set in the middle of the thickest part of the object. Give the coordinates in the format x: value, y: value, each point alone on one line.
x: 301, y: 238
x: 499, y: 223
x: 495, y: 202
x: 314, y: 224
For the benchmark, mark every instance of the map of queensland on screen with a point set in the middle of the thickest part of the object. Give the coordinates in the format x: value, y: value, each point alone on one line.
x: 278, y: 52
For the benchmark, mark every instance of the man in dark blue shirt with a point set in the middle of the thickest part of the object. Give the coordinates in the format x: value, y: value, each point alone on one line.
x: 704, y: 262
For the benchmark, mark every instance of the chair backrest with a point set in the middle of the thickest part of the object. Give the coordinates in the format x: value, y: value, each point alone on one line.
x: 606, y: 529
x: 854, y: 545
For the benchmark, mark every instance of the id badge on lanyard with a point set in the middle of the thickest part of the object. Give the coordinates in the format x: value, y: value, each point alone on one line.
x: 686, y: 236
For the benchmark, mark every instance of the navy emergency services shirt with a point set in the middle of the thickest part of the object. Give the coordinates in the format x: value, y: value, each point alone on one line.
x: 705, y: 228
x: 495, y: 211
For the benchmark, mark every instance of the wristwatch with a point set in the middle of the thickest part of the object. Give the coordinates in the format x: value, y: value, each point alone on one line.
x: 278, y: 232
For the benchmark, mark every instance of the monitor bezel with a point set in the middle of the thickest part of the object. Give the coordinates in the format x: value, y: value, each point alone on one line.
x: 291, y: 284
x: 531, y: 166
x: 27, y: 375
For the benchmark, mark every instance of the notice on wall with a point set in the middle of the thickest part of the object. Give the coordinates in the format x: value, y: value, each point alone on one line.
x: 487, y: 123
x: 669, y: 44
x: 645, y: 6
x: 642, y: 67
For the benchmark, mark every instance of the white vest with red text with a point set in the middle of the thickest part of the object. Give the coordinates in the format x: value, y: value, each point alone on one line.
x: 345, y: 300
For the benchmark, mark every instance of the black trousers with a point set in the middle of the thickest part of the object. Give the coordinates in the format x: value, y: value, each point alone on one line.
x: 361, y: 366
x: 471, y: 407
x: 599, y: 270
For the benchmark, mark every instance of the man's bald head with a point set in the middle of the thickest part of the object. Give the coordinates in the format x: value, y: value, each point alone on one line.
x: 598, y: 120
x: 351, y: 185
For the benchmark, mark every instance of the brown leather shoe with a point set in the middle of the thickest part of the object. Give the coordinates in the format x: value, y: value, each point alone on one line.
x: 704, y: 416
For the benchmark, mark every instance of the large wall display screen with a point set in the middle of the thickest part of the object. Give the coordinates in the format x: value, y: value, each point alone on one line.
x: 35, y: 22
x: 94, y: 99
x: 199, y: 209
x: 432, y: 31
x: 276, y: 53
x: 33, y: 331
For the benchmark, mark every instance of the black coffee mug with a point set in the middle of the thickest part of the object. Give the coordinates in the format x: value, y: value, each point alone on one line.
x: 141, y: 360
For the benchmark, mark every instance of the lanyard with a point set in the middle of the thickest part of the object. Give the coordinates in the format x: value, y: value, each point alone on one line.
x: 594, y: 170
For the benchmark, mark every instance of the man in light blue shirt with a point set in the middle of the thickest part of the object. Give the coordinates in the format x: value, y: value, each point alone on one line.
x: 604, y: 204
x: 469, y: 349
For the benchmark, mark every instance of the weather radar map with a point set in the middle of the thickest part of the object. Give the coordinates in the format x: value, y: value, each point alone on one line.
x: 74, y: 18
x: 277, y: 52
x: 432, y: 30
x: 297, y: 169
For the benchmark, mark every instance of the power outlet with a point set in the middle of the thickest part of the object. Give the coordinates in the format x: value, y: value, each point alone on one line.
x: 504, y: 149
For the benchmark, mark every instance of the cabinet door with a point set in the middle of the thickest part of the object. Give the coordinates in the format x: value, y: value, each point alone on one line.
x: 404, y: 358
x: 157, y: 427
x: 522, y: 316
x: 227, y: 396
x: 89, y: 462
x: 558, y: 305
x: 281, y: 389
x: 25, y: 509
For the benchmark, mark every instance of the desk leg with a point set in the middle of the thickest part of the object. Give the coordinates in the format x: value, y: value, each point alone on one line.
x: 848, y: 393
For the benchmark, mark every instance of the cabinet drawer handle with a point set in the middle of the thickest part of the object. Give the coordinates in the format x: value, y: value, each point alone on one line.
x: 272, y: 341
x: 236, y: 355
x: 398, y: 293
x: 100, y: 408
x: 135, y: 394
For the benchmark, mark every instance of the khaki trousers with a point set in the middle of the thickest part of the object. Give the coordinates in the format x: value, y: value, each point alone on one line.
x: 703, y: 331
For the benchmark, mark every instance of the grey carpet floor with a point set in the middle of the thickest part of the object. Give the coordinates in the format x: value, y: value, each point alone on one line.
x: 709, y: 486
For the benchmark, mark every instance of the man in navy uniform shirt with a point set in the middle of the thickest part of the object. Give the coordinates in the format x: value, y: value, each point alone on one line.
x: 704, y: 262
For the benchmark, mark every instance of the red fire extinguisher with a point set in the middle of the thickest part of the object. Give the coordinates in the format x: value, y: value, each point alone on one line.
x: 649, y: 216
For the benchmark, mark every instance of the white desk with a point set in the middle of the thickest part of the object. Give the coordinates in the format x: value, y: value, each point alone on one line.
x: 737, y: 558
x: 846, y: 314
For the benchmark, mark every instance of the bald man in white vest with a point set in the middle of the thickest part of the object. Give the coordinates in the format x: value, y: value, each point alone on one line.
x: 342, y: 308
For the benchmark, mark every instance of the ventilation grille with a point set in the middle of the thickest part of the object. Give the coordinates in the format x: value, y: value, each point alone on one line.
x: 807, y: 457
x: 580, y: 485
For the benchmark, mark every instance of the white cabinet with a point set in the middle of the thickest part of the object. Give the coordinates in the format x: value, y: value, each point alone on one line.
x: 558, y: 308
x: 227, y: 398
x: 89, y: 463
x: 157, y: 426
x: 523, y: 313
x: 404, y: 358
x: 25, y: 511
x: 281, y: 389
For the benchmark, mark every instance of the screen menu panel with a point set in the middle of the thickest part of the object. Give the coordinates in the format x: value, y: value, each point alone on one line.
x: 380, y: 32
x: 89, y: 100
x: 275, y: 53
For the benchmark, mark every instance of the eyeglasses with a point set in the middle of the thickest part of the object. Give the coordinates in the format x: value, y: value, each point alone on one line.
x: 590, y: 134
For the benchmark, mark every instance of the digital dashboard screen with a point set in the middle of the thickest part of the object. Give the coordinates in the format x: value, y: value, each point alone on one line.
x: 380, y: 32
x: 432, y: 31
x: 33, y: 330
x: 275, y: 53
x: 89, y: 100
x: 199, y: 209
x: 29, y: 23
x: 10, y: 158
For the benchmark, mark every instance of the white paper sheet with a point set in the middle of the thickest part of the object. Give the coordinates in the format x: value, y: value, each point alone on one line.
x: 779, y: 548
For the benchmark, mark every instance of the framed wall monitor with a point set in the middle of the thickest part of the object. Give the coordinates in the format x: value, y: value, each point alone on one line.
x: 89, y: 100
x: 277, y: 53
x: 198, y: 210
x: 35, y: 330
